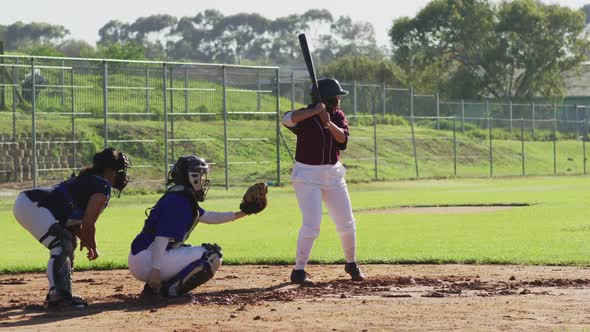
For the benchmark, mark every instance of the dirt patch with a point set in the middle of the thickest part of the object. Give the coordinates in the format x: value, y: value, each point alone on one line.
x: 443, y: 209
x: 400, y: 297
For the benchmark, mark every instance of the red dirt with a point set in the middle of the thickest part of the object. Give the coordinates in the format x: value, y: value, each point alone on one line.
x: 400, y: 297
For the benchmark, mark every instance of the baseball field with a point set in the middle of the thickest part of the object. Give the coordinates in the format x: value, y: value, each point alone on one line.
x: 477, y: 254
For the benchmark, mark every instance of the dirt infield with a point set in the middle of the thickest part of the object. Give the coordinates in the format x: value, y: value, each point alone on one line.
x: 394, y: 297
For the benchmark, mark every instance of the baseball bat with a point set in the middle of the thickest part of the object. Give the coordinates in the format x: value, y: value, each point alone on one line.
x: 309, y: 64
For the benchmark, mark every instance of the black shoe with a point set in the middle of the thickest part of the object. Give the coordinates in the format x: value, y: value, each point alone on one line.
x: 75, y: 302
x: 149, y: 293
x: 354, y: 271
x: 300, y: 277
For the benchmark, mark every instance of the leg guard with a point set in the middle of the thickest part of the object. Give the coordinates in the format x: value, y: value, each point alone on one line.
x: 196, y: 273
x: 59, y: 266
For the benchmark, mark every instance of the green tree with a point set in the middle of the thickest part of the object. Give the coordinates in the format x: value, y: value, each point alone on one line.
x: 44, y: 50
x: 472, y: 48
x: 363, y: 69
x: 114, y: 31
x: 21, y: 35
x: 130, y: 50
x: 75, y: 48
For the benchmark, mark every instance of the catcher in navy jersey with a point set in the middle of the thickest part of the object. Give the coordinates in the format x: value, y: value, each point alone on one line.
x: 56, y: 216
x: 159, y: 255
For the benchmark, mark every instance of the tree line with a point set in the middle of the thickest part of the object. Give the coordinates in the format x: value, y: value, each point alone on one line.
x: 468, y: 49
x: 208, y: 36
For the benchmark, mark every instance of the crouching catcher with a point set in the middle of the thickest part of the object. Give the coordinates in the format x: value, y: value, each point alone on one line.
x: 159, y: 255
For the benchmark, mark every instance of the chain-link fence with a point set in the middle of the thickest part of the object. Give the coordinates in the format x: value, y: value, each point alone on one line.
x: 56, y: 112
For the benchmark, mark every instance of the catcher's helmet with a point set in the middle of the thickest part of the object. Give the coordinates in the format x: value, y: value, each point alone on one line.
x: 191, y: 171
x: 329, y: 88
x: 116, y: 160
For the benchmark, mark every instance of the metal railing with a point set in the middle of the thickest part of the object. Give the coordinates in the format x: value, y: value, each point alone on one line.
x: 166, y: 99
x: 58, y: 111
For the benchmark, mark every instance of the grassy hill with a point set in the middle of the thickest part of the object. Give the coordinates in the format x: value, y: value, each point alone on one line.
x: 253, y: 154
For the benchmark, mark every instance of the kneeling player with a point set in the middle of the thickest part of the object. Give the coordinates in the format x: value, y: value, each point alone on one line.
x: 158, y: 255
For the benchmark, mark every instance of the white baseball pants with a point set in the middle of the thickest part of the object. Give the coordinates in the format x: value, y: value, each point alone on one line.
x: 314, y: 184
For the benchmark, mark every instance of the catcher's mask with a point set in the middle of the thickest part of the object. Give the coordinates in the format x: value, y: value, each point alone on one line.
x: 191, y: 171
x: 116, y: 160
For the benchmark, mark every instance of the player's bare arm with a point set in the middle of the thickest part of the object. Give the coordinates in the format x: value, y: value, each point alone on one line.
x: 336, y: 132
x: 302, y: 114
x: 96, y: 204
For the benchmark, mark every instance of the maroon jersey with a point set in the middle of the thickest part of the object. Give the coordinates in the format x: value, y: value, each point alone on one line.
x: 315, y: 144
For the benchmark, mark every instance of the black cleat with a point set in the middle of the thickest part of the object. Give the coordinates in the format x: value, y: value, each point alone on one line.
x: 300, y: 277
x: 74, y: 302
x: 354, y: 271
x: 149, y: 293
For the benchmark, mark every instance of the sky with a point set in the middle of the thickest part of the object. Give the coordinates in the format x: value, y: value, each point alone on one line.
x: 85, y: 18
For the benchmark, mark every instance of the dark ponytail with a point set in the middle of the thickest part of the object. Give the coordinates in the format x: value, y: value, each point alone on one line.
x: 107, y: 158
x: 88, y: 170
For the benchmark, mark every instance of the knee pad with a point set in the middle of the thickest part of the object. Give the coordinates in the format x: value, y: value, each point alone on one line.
x: 196, y: 273
x: 60, y: 240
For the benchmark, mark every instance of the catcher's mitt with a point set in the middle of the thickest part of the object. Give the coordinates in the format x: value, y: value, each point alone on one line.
x: 254, y: 199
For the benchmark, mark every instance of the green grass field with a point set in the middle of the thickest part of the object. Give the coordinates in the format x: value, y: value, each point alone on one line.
x: 554, y: 230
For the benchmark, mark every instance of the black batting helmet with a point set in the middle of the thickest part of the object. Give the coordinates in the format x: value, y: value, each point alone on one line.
x: 329, y: 88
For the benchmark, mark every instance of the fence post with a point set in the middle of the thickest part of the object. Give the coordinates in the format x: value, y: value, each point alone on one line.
x: 375, y: 140
x: 258, y: 88
x: 225, y: 141
x: 412, y: 126
x: 165, y: 110
x: 2, y: 90
x: 171, y: 89
x: 105, y: 102
x: 384, y: 96
x: 437, y: 110
x: 533, y: 120
x: 522, y: 145
x: 292, y: 90
x: 278, y: 120
x: 510, y: 109
x: 462, y: 116
x: 14, y: 92
x: 62, y: 80
x: 491, y: 147
x: 73, y: 110
x: 584, y: 153
x: 147, y: 89
x: 455, y: 146
x: 354, y: 99
x: 577, y: 122
x: 34, y: 124
x: 554, y: 139
x: 186, y: 90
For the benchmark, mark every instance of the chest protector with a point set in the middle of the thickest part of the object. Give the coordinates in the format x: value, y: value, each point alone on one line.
x: 150, y: 227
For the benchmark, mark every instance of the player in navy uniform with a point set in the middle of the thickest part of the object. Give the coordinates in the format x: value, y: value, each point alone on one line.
x: 159, y: 255
x: 56, y: 216
x: 318, y: 175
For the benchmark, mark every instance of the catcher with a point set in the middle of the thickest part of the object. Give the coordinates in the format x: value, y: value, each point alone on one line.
x: 56, y: 216
x: 159, y: 255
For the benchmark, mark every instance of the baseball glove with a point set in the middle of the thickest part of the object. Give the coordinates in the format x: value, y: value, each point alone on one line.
x: 254, y: 199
